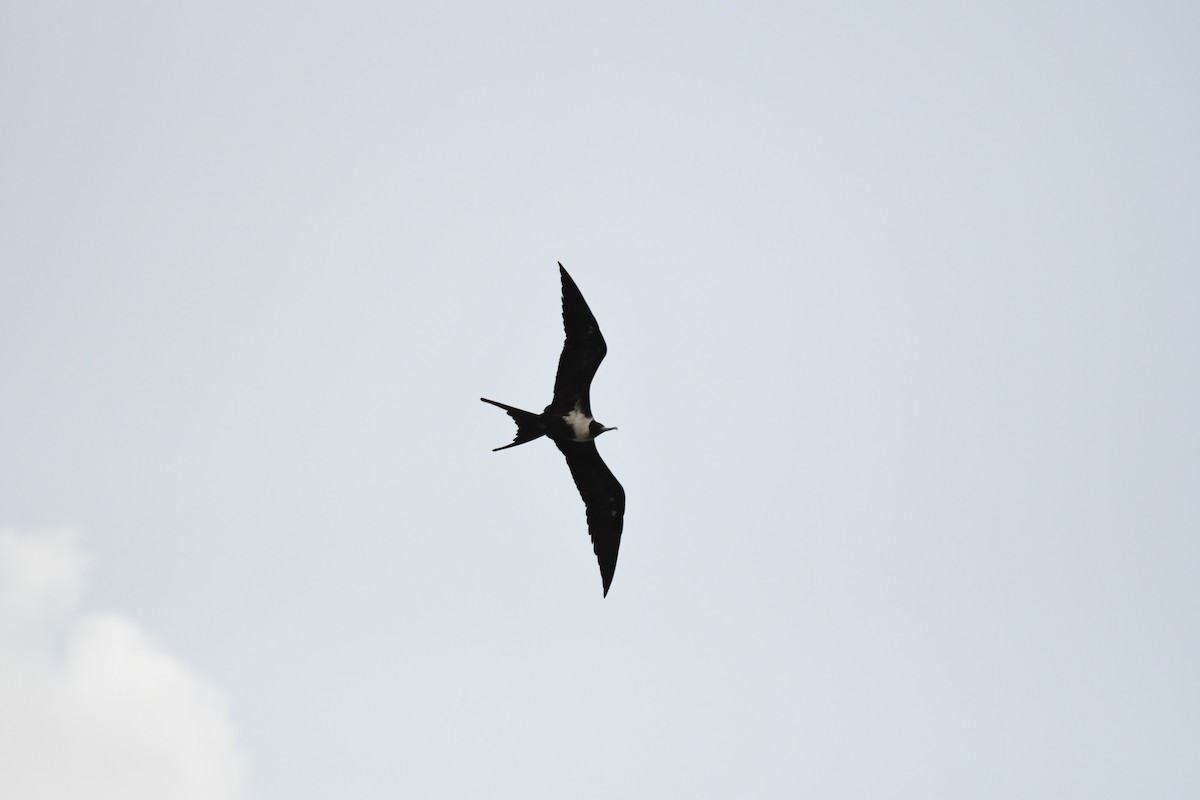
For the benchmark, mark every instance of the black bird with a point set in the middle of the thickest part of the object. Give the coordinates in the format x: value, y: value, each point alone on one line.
x: 568, y: 422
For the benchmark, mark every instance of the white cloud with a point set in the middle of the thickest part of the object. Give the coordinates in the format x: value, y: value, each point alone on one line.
x: 91, y: 707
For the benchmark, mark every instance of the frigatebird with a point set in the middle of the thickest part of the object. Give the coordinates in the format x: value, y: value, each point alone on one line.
x: 569, y: 423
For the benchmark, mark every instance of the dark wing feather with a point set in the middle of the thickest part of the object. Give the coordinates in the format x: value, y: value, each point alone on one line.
x: 605, y: 501
x: 582, y: 352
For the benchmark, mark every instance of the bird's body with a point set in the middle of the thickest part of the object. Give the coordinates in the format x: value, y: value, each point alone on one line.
x: 569, y: 423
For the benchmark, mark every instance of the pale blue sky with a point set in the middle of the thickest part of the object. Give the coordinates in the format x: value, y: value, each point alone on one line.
x: 903, y: 345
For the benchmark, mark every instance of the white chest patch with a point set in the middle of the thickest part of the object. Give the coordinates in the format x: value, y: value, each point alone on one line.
x: 580, y: 424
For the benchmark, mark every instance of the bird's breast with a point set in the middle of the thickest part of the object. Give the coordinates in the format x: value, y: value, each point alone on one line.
x: 579, y: 424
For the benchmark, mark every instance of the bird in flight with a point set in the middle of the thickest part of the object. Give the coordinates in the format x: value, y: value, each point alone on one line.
x: 569, y: 423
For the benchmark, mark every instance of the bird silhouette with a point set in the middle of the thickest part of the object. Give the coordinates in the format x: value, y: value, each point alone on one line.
x: 569, y: 423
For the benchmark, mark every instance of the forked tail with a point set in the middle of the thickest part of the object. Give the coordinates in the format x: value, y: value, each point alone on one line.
x: 529, y: 425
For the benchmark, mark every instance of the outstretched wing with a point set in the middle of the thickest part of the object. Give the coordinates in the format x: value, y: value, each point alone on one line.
x: 605, y: 501
x: 582, y: 352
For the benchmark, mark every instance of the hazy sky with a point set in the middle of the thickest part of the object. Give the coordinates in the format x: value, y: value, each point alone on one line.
x: 901, y: 304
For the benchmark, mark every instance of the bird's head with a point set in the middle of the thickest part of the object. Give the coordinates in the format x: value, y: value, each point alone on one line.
x: 595, y: 429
